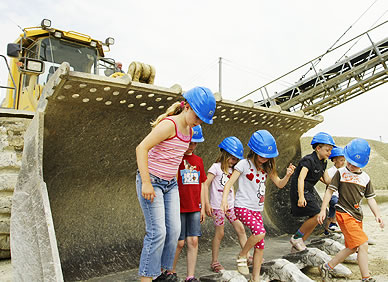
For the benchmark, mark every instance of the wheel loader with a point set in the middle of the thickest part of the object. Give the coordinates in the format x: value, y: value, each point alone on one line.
x: 75, y: 213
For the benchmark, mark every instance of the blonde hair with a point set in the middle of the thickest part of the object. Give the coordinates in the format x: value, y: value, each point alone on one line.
x: 223, y: 158
x: 269, y: 166
x: 173, y: 110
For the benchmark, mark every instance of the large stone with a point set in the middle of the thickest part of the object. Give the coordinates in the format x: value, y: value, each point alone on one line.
x: 331, y: 247
x: 315, y: 257
x: 283, y: 270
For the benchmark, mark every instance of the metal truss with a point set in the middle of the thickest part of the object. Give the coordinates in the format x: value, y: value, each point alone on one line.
x: 343, y: 81
x: 332, y: 86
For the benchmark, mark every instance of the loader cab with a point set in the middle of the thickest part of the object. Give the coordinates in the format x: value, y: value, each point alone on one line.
x: 53, y: 52
x: 50, y: 47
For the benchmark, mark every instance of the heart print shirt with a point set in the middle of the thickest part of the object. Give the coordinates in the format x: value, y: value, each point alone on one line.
x: 251, y: 186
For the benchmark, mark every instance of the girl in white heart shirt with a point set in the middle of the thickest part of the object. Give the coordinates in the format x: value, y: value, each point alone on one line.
x: 251, y: 174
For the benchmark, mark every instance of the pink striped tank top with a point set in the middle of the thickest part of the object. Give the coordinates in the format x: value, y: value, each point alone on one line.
x: 164, y: 158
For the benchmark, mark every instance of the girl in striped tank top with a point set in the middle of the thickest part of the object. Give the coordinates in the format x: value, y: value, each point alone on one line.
x: 158, y: 158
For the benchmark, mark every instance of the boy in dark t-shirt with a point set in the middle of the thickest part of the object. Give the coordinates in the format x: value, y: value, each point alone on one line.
x: 303, y: 201
x: 191, y: 176
x: 352, y: 185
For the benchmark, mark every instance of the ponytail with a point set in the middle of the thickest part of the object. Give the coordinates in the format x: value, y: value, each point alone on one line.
x: 173, y: 110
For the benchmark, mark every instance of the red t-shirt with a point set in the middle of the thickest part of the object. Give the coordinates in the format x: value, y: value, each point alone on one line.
x: 191, y: 174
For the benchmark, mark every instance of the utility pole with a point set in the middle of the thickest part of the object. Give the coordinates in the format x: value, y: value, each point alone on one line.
x: 220, y: 75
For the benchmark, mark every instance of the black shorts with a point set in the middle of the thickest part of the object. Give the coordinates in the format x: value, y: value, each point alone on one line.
x: 311, y: 209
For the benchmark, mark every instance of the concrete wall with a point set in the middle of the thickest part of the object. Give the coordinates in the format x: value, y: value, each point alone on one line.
x: 11, y: 148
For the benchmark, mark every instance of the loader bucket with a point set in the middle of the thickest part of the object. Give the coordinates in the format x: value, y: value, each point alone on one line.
x: 75, y: 212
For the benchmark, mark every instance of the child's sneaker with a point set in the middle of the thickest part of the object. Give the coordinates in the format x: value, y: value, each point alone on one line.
x: 293, y: 250
x: 334, y: 227
x: 172, y: 277
x: 369, y: 279
x: 325, y: 272
x: 161, y: 277
x: 192, y: 279
x: 298, y: 243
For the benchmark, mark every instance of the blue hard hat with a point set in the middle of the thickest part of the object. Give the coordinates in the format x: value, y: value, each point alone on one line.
x: 357, y: 152
x: 197, y: 134
x: 263, y: 144
x: 336, y: 152
x: 323, y: 138
x: 233, y: 146
x: 203, y: 103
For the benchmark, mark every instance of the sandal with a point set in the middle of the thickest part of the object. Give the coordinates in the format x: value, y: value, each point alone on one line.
x: 216, y: 267
x: 242, y: 265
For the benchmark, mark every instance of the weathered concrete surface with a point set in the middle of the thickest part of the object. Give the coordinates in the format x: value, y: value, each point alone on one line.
x: 86, y: 168
x: 12, y: 128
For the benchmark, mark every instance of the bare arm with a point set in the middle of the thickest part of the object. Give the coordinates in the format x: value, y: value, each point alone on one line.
x: 203, y: 202
x: 302, y: 175
x: 161, y: 132
x: 206, y: 186
x: 325, y: 202
x: 233, y: 178
x: 326, y: 178
x: 280, y: 183
x: 376, y: 211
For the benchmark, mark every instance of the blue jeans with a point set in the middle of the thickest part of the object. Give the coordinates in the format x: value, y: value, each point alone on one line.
x: 332, y: 203
x: 163, y: 226
x: 190, y: 225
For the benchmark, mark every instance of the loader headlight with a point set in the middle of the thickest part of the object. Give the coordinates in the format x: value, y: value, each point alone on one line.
x: 58, y: 34
x: 93, y: 43
x: 109, y: 41
x: 34, y: 66
x: 31, y: 65
x: 45, y: 23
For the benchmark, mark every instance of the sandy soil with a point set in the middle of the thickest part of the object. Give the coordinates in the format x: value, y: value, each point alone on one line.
x: 275, y: 248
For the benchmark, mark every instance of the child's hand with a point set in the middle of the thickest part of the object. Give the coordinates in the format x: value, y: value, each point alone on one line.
x: 203, y: 215
x: 224, y: 206
x: 302, y: 202
x: 208, y: 209
x: 321, y: 217
x: 380, y: 221
x: 290, y: 169
x: 148, y: 192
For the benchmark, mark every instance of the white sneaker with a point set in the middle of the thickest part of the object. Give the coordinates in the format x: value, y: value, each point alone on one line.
x: 334, y: 228
x: 298, y: 244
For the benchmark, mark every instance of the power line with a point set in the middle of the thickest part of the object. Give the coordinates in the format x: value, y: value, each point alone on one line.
x: 253, y: 71
x: 201, y: 71
x: 311, y: 61
x: 332, y: 46
x: 360, y: 38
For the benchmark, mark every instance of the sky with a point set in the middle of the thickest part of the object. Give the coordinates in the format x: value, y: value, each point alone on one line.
x: 257, y: 40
